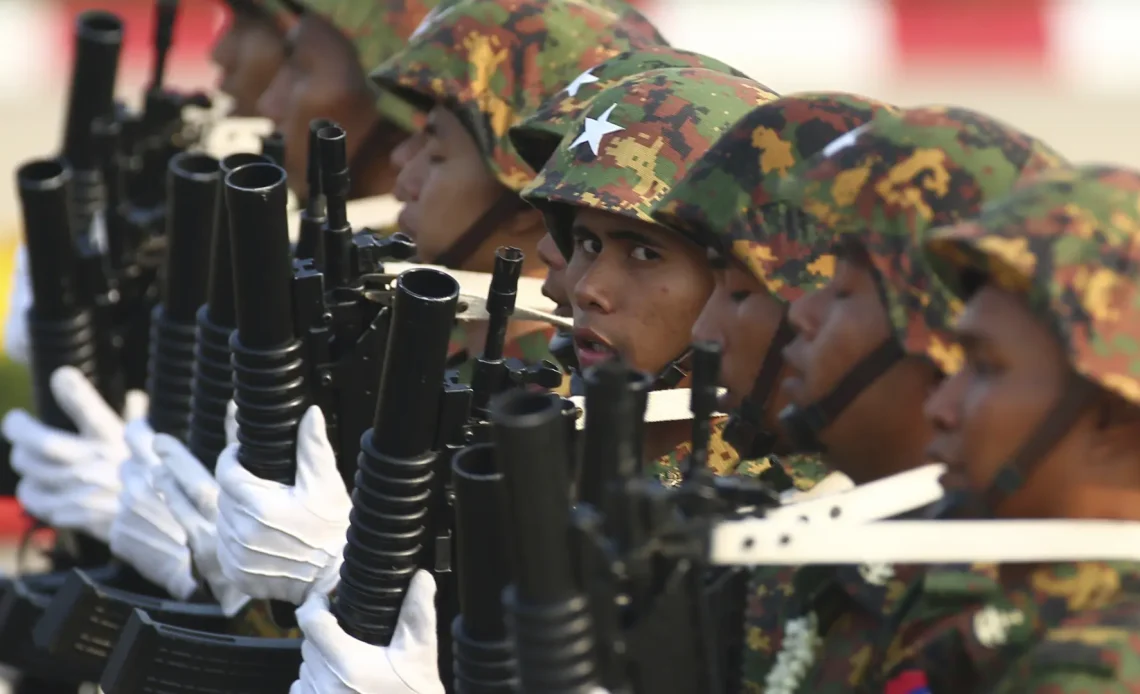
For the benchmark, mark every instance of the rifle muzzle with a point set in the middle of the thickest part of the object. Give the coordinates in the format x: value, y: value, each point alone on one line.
x: 270, y: 387
x: 192, y: 185
x: 548, y: 616
x: 61, y: 333
x: 394, y: 482
x: 213, y: 373
x: 483, y: 657
x: 98, y: 41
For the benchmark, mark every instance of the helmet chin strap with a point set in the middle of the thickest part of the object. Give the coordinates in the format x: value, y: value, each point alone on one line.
x: 805, y: 424
x: 674, y: 372
x: 1013, y: 474
x: 746, y: 430
x: 506, y: 206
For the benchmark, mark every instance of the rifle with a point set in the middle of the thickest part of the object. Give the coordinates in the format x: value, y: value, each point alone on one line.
x: 313, y: 219
x: 217, y: 319
x: 484, y: 660
x: 299, y: 340
x: 82, y: 621
x: 273, y: 148
x: 391, y: 501
x: 654, y: 612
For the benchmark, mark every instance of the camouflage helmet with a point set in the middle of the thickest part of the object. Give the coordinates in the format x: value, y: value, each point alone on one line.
x: 891, y: 181
x: 625, y: 150
x: 494, y: 62
x: 729, y: 200
x: 378, y: 30
x: 538, y: 136
x: 1070, y: 242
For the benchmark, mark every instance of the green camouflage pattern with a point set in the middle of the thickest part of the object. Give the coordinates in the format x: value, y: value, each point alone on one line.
x: 378, y: 30
x: 537, y: 137
x: 647, y: 132
x: 898, y: 177
x: 729, y: 201
x: 494, y: 62
x: 1065, y: 628
x: 1070, y: 242
x: 853, y: 604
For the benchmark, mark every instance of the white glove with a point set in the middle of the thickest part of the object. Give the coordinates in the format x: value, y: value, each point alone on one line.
x: 192, y: 494
x: 334, y: 662
x: 145, y: 534
x: 70, y: 480
x: 277, y: 541
x: 16, y: 327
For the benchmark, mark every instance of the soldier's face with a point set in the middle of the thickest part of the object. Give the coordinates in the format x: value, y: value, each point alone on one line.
x: 249, y: 53
x: 445, y: 186
x: 636, y: 290
x: 320, y: 78
x: 742, y: 317
x: 835, y: 328
x: 1014, y: 373
x: 554, y: 287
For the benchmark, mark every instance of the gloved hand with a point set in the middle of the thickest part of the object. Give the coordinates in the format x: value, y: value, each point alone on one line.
x: 20, y: 300
x: 70, y: 480
x: 277, y: 541
x: 145, y: 533
x: 333, y: 662
x: 192, y: 495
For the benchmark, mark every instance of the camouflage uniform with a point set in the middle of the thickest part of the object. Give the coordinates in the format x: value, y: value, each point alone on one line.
x: 891, y: 182
x: 730, y: 202
x: 1067, y: 242
x: 660, y: 123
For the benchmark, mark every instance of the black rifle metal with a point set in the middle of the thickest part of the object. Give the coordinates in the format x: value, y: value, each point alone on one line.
x: 82, y: 621
x: 299, y: 340
x: 386, y: 541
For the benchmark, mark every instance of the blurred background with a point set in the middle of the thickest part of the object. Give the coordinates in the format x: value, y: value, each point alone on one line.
x: 1065, y: 70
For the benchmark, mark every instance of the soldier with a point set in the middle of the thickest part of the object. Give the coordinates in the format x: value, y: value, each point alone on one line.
x: 541, y: 133
x: 461, y: 188
x: 1042, y: 421
x: 870, y: 345
x: 277, y: 541
x: 329, y: 50
x: 729, y: 203
x: 250, y: 50
x: 636, y: 286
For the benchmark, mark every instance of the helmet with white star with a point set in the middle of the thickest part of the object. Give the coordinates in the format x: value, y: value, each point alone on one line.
x: 636, y: 139
x: 538, y: 136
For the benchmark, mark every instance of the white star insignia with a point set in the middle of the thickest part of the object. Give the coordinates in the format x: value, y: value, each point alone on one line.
x: 585, y: 78
x: 594, y: 129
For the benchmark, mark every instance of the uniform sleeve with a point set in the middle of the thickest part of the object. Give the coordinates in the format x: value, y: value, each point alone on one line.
x: 1087, y: 659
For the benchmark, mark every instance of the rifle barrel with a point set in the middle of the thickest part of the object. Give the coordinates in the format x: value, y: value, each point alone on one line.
x: 98, y: 41
x: 263, y: 265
